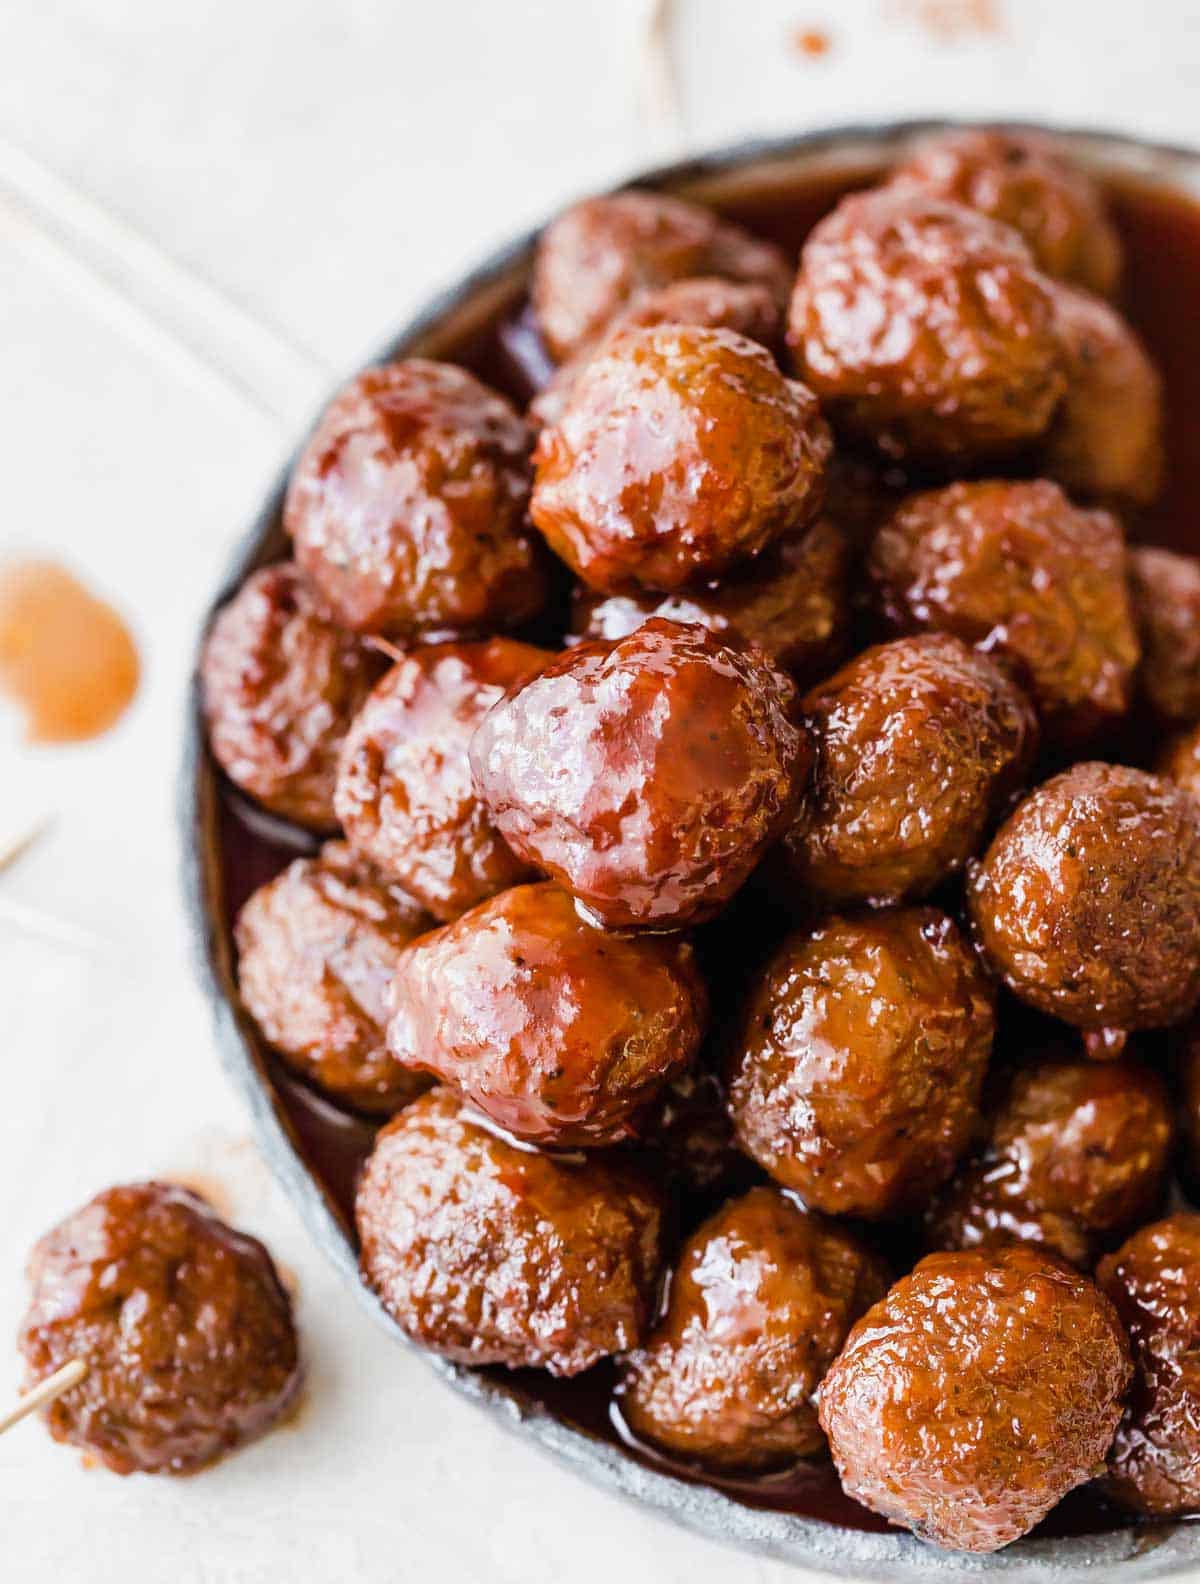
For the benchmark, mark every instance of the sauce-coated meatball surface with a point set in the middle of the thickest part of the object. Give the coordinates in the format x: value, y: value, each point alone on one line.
x: 1020, y: 571
x: 183, y: 1323
x: 404, y: 792
x: 1179, y: 761
x: 491, y: 1254
x: 317, y: 949
x: 1154, y: 1281
x: 857, y: 1073
x: 605, y: 252
x: 560, y: 1033
x: 281, y: 685
x: 793, y: 601
x: 920, y: 744
x: 1166, y: 601
x: 407, y: 506
x: 1087, y: 903
x: 681, y: 451
x: 648, y: 775
x: 984, y: 1387
x: 925, y: 327
x: 760, y: 1303
x: 1024, y: 180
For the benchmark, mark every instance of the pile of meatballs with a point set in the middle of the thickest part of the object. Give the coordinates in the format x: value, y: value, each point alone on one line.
x: 739, y: 901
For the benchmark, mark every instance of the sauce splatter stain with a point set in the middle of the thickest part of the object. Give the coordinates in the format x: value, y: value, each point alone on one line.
x: 66, y: 658
x: 949, y: 21
x: 811, y: 43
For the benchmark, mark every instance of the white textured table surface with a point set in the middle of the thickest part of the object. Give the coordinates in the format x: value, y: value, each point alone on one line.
x: 207, y: 214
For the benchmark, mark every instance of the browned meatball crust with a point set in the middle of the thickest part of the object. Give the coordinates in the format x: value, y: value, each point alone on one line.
x: 183, y: 1323
x: 920, y: 743
x: 984, y: 1387
x: 491, y: 1254
x: 1077, y: 1154
x: 753, y: 311
x: 1166, y: 602
x: 1087, y: 903
x: 1154, y: 1281
x: 1024, y: 180
x: 856, y: 1076
x: 407, y: 506
x: 280, y: 686
x: 317, y: 948
x: 558, y: 1032
x: 681, y: 451
x: 1179, y: 761
x: 760, y: 1303
x: 925, y: 327
x: 793, y: 601
x: 604, y: 253
x: 648, y: 775
x: 404, y: 792
x: 1106, y: 441
x: 1020, y: 571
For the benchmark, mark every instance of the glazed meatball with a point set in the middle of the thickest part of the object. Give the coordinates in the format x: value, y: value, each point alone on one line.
x: 856, y: 1076
x: 925, y: 328
x: 1154, y: 1281
x: 558, y: 1032
x: 681, y: 451
x: 648, y: 775
x: 183, y: 1323
x: 404, y: 792
x: 1179, y: 761
x: 919, y: 745
x: 1087, y: 903
x: 1106, y: 442
x: 760, y: 1303
x: 753, y: 311
x: 690, y: 1128
x: 1020, y: 571
x: 793, y: 601
x: 1166, y: 602
x: 491, y: 1254
x: 1023, y: 180
x: 1078, y: 1153
x: 317, y: 948
x: 604, y: 253
x: 407, y: 506
x: 280, y: 687
x: 984, y: 1387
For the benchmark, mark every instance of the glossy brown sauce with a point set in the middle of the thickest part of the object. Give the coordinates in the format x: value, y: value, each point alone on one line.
x: 66, y: 658
x: 1162, y: 240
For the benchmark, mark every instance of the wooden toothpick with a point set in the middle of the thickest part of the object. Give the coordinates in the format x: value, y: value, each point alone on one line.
x: 45, y: 1391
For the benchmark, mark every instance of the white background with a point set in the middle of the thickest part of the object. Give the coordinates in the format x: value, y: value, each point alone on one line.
x: 209, y: 213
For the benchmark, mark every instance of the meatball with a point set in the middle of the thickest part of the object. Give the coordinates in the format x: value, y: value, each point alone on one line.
x: 919, y: 745
x: 925, y: 327
x: 407, y: 506
x: 1023, y: 180
x: 280, y: 687
x: 492, y: 1254
x: 1154, y: 1281
x: 760, y: 1303
x: 1166, y: 602
x: 1020, y: 571
x: 856, y: 1076
x: 404, y: 792
x: 1179, y: 761
x: 183, y: 1323
x: 690, y: 1128
x: 1106, y: 441
x: 1078, y: 1153
x: 793, y: 601
x: 984, y: 1387
x: 647, y: 775
x: 752, y: 310
x: 558, y: 1032
x: 605, y: 252
x: 681, y: 451
x: 1087, y: 903
x: 317, y: 948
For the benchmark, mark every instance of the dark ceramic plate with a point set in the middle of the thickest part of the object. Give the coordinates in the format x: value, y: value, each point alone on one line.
x: 456, y: 325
